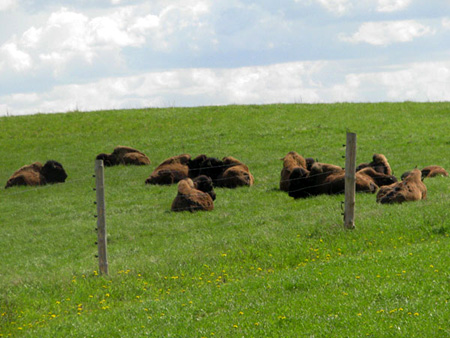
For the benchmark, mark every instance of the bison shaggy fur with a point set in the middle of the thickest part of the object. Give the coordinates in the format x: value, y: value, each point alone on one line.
x: 124, y: 155
x: 205, y: 184
x: 236, y: 174
x: 379, y: 163
x: 304, y: 183
x: 189, y: 198
x: 204, y: 165
x: 430, y: 171
x: 291, y: 161
x: 170, y: 171
x: 38, y: 174
x: 366, y: 180
x: 410, y: 189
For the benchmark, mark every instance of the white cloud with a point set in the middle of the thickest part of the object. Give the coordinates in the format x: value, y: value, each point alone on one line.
x: 295, y: 82
x: 70, y: 37
x: 12, y: 57
x: 7, y: 4
x: 291, y: 82
x: 392, y: 5
x: 335, y: 6
x: 427, y: 81
x: 388, y: 32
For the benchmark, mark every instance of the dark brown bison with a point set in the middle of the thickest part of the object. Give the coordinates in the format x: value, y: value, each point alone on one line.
x: 38, y: 174
x: 195, y: 165
x: 291, y: 161
x: 379, y: 163
x: 376, y: 177
x: 191, y: 199
x: 236, y: 174
x: 410, y: 189
x: 309, y: 162
x: 335, y: 184
x: 124, y: 155
x: 170, y: 171
x: 204, y: 165
x: 205, y: 184
x: 366, y: 180
x: 304, y: 183
x: 429, y: 171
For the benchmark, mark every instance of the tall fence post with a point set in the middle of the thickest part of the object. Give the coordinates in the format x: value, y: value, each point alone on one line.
x: 101, y: 217
x: 350, y: 185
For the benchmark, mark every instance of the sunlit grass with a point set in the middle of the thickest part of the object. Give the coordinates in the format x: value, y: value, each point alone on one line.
x: 261, y: 264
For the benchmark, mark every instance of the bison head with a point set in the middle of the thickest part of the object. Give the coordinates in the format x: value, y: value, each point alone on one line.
x: 53, y: 172
x: 108, y: 160
x: 205, y: 184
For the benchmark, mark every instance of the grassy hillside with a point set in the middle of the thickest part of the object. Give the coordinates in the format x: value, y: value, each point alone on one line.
x: 260, y: 265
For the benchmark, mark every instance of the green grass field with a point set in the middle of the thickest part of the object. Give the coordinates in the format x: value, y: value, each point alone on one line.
x: 261, y: 264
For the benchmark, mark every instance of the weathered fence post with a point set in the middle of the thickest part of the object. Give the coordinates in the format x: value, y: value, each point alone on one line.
x: 101, y: 217
x: 350, y: 186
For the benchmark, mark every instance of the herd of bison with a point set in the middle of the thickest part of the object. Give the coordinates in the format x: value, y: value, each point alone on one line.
x: 197, y: 177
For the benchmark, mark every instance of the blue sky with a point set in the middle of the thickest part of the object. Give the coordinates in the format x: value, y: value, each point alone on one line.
x: 57, y: 56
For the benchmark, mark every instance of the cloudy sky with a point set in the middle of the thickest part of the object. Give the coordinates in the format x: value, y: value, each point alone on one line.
x: 63, y: 55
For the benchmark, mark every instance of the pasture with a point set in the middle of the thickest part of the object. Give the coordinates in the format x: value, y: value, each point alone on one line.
x: 261, y: 264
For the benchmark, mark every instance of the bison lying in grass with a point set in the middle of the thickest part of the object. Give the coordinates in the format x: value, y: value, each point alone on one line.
x: 326, y: 178
x: 170, y: 171
x: 304, y: 183
x: 430, y: 171
x: 228, y: 172
x: 38, y: 174
x: 191, y: 198
x: 208, y: 166
x: 379, y: 163
x: 236, y: 174
x: 291, y: 161
x: 366, y: 180
x: 410, y: 189
x: 124, y: 155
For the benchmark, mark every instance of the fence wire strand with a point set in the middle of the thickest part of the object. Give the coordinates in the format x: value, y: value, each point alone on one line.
x: 120, y: 176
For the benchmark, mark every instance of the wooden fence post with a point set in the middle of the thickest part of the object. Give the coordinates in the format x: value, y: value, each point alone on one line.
x: 350, y: 185
x: 101, y: 217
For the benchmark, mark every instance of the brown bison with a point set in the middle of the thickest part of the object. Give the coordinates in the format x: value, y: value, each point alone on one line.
x: 410, y: 189
x: 189, y: 198
x: 304, y: 183
x: 433, y: 171
x: 379, y: 163
x: 429, y: 171
x: 205, y: 184
x: 236, y: 174
x: 38, y: 174
x: 376, y: 177
x: 335, y: 183
x: 366, y: 180
x: 124, y: 155
x: 330, y: 179
x: 170, y: 171
x: 291, y: 161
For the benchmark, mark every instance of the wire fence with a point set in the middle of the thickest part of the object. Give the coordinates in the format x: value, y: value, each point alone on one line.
x: 120, y: 178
